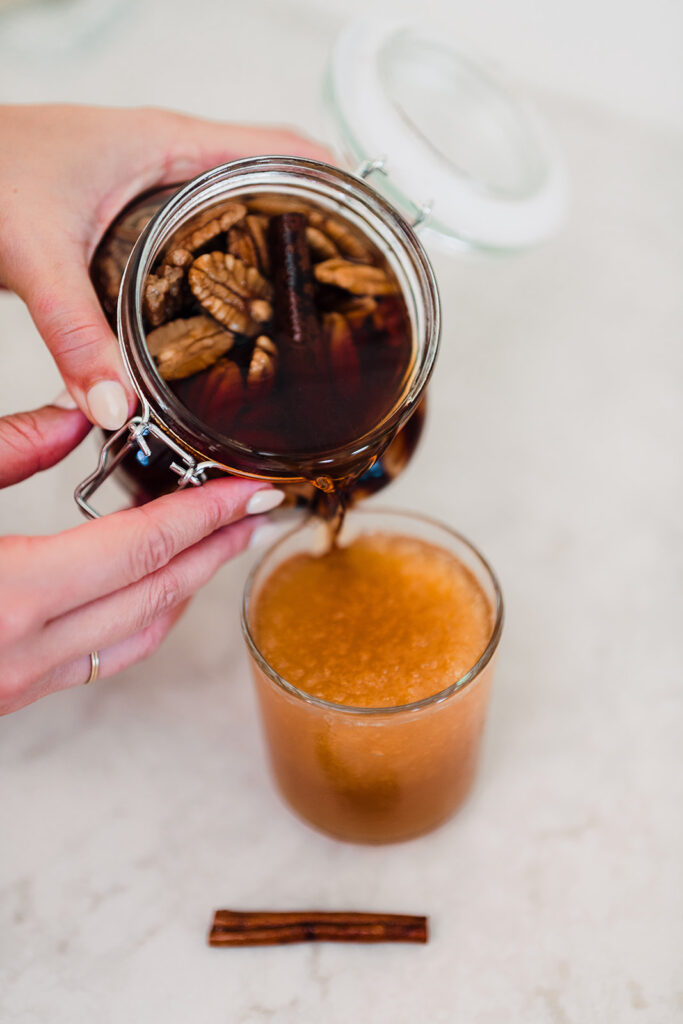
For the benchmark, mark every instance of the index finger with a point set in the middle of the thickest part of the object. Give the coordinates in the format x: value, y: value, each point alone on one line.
x: 104, y: 555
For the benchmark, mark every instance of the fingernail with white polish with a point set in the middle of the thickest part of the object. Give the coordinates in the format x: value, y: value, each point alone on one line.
x: 108, y: 404
x: 264, y: 501
x: 64, y: 401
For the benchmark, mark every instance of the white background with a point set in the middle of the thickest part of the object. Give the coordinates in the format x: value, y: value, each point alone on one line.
x: 626, y: 53
x: 131, y: 810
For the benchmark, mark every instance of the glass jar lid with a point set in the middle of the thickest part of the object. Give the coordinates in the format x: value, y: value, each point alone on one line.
x: 451, y: 146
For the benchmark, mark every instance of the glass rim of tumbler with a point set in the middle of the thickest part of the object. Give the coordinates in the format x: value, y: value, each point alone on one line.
x: 435, y: 698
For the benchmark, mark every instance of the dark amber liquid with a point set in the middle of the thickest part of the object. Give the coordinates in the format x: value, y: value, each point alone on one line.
x: 324, y: 406
x: 282, y: 424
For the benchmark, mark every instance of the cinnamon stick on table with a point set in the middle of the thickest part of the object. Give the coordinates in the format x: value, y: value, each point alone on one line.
x: 263, y: 928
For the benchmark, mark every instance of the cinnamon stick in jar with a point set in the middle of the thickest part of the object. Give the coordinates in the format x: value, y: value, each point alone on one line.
x: 277, y: 928
x: 296, y: 316
x: 299, y: 337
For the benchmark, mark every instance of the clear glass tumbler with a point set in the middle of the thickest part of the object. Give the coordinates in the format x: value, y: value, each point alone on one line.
x: 374, y: 775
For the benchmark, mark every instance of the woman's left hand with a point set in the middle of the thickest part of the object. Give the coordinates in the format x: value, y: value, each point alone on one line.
x: 115, y: 585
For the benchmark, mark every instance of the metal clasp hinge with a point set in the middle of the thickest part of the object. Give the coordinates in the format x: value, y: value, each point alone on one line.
x: 189, y: 471
x: 379, y: 166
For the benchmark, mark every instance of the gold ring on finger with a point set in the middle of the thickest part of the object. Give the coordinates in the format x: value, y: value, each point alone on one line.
x: 94, y: 667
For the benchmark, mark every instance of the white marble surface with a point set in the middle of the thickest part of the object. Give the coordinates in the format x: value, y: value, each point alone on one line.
x: 132, y: 809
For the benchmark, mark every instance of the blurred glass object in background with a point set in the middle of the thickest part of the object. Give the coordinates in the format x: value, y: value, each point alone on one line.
x: 54, y: 26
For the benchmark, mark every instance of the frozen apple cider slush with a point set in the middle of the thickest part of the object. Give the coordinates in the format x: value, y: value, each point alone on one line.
x: 372, y: 662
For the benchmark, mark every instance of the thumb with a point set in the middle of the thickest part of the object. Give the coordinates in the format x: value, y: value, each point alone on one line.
x: 32, y: 441
x: 66, y: 311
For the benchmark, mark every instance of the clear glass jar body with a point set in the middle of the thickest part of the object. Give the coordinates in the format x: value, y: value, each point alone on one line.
x: 374, y: 775
x: 326, y: 187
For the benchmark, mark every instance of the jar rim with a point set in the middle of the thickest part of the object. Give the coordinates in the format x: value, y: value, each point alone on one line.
x: 318, y: 181
x: 418, y: 705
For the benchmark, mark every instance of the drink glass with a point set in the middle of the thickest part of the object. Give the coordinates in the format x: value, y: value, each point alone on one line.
x: 363, y: 774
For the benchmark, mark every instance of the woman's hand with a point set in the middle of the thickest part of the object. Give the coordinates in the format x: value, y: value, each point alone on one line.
x: 65, y: 172
x: 115, y: 585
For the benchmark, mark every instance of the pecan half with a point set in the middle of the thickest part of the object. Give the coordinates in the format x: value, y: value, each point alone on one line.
x: 258, y: 229
x: 209, y: 225
x: 248, y: 241
x: 262, y: 368
x: 184, y: 347
x: 163, y: 295
x: 344, y: 358
x: 274, y: 205
x: 241, y: 244
x: 179, y: 258
x: 358, y: 309
x: 233, y: 293
x: 357, y: 278
x: 322, y: 247
x: 347, y: 242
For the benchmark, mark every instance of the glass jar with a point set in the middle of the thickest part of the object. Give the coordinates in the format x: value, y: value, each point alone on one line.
x: 165, y: 443
x: 453, y: 151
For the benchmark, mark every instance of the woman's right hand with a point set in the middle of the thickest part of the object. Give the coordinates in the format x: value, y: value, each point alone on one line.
x: 114, y: 585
